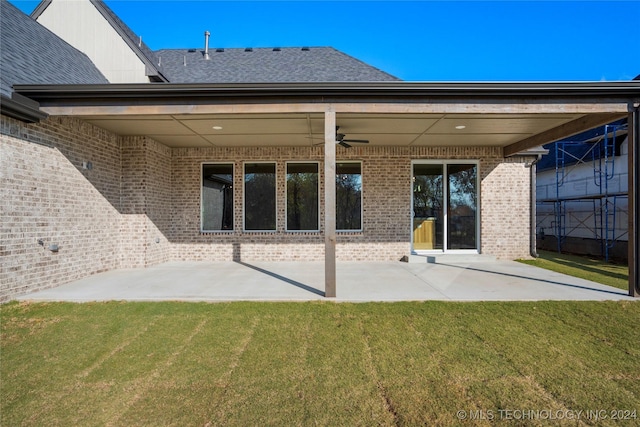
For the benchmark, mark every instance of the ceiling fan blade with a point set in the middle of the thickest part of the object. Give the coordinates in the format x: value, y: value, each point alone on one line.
x: 359, y: 141
x: 344, y: 144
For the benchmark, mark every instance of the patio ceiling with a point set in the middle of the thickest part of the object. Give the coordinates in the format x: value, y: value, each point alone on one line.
x: 514, y: 116
x: 307, y: 129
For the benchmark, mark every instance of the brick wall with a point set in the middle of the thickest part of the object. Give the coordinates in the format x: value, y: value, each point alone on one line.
x: 140, y: 203
x: 505, y: 207
x: 146, y: 202
x: 386, y: 204
x: 46, y: 194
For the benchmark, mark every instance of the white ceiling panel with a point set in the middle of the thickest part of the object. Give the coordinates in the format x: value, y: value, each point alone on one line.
x: 301, y: 129
x: 181, y: 140
x: 143, y: 126
x: 248, y: 126
x: 440, y: 140
x: 259, y: 140
x: 492, y: 125
x: 395, y: 125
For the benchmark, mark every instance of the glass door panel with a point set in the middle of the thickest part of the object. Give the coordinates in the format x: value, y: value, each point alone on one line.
x: 462, y: 206
x: 428, y: 203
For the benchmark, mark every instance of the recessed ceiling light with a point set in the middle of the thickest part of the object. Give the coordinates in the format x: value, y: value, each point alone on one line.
x: 460, y: 127
x: 217, y: 127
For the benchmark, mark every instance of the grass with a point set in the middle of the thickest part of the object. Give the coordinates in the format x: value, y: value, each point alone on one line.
x: 589, y: 268
x: 197, y: 364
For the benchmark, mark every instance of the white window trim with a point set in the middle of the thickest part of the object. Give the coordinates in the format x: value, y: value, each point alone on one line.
x: 444, y: 163
x: 361, y: 229
x: 286, y: 194
x: 244, y: 194
x: 233, y: 174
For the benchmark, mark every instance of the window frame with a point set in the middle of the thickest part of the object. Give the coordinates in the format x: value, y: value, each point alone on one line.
x: 244, y: 195
x: 445, y: 163
x: 286, y: 195
x: 233, y: 192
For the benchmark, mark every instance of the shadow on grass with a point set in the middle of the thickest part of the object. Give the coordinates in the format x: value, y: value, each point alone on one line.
x: 583, y: 267
x: 587, y: 288
x: 284, y: 279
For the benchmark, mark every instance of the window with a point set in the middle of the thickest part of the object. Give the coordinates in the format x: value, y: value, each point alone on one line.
x: 302, y: 197
x: 348, y: 196
x: 260, y: 196
x: 462, y: 206
x: 217, y: 197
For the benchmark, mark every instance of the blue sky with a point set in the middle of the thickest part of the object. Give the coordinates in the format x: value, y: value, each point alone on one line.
x: 414, y: 40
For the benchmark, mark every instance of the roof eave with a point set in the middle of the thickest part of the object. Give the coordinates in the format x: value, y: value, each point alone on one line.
x: 21, y: 108
x: 626, y: 90
x: 40, y: 8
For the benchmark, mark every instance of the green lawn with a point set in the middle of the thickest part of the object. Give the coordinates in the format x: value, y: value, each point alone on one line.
x: 589, y: 268
x: 255, y: 364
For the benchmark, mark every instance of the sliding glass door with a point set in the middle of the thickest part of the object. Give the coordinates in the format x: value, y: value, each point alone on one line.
x: 445, y: 206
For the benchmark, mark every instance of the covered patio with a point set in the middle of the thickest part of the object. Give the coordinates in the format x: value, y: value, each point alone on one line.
x: 483, y: 280
x: 193, y: 124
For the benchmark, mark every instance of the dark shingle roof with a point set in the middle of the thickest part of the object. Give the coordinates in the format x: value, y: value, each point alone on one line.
x: 266, y: 65
x: 31, y: 54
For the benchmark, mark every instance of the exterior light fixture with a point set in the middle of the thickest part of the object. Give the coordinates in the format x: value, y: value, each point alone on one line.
x: 217, y: 128
x: 460, y: 127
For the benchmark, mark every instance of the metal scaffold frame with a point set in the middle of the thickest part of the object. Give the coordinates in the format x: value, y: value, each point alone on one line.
x: 604, y: 206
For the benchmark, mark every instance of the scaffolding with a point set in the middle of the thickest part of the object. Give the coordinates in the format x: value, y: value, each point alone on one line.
x: 603, y: 206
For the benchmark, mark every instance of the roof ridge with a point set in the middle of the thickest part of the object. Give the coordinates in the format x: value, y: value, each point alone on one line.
x: 243, y: 48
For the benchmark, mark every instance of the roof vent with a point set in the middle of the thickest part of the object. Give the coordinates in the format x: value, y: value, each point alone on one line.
x: 305, y: 48
x: 276, y: 49
x: 220, y: 49
x: 191, y: 50
x: 206, y: 44
x: 249, y: 49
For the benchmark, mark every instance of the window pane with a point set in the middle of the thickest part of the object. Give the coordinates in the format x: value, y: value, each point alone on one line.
x: 260, y: 196
x: 348, y: 196
x: 462, y: 206
x: 217, y: 197
x: 302, y: 196
x: 428, y: 200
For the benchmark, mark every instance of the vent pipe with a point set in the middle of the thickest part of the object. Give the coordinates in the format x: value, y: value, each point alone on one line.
x: 206, y: 44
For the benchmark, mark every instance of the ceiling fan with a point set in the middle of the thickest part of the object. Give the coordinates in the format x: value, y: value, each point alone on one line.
x: 341, y: 140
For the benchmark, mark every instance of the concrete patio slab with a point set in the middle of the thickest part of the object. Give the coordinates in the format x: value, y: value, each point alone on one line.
x: 304, y: 281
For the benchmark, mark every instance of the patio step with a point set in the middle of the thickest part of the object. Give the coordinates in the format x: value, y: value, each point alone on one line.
x: 450, y: 258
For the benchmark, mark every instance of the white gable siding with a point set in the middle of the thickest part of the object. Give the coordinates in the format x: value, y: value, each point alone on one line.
x: 81, y: 25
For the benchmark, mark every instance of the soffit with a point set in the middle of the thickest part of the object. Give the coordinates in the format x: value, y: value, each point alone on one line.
x: 307, y: 129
